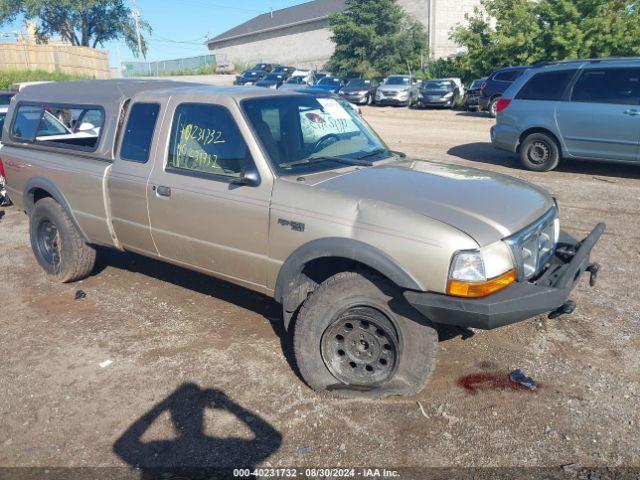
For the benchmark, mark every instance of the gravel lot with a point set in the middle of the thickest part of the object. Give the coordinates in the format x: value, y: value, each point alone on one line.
x: 201, y: 373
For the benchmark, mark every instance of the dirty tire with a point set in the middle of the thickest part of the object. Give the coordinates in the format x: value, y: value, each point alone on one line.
x: 415, y: 355
x: 70, y: 259
x: 539, y: 152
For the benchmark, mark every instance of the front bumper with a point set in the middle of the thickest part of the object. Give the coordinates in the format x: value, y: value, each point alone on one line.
x: 439, y: 102
x: 358, y: 99
x: 519, y: 301
x: 392, y: 101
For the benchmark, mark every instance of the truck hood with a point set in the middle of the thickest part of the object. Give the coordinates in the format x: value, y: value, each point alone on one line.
x: 486, y: 206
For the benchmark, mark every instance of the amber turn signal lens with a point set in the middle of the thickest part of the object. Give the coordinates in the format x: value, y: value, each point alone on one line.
x: 481, y: 289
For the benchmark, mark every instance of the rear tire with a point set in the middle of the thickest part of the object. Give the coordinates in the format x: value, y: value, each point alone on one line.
x: 57, y: 243
x: 356, y: 336
x: 539, y: 152
x: 493, y: 107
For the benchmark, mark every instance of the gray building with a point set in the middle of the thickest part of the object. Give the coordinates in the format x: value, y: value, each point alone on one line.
x: 299, y: 35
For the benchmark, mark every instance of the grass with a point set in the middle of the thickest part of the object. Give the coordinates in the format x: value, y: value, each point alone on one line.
x: 10, y: 77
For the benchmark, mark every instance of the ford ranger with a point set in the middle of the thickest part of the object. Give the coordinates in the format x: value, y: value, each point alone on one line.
x: 294, y: 196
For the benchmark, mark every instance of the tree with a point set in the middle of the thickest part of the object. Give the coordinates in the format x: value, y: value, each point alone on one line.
x: 375, y: 38
x: 520, y: 32
x: 86, y: 23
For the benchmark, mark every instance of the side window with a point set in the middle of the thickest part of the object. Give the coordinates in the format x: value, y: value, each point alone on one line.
x: 509, y: 76
x: 205, y: 139
x: 138, y: 135
x: 75, y: 127
x: 613, y: 85
x: 26, y: 122
x: 546, y: 86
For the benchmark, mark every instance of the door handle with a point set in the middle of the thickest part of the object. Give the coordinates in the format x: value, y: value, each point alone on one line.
x: 163, y: 191
x: 632, y: 112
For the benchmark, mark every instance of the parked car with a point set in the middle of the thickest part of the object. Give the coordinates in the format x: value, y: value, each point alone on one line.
x: 4, y: 197
x: 297, y: 81
x: 360, y: 91
x: 294, y: 196
x: 586, y: 109
x: 439, y: 93
x: 249, y: 77
x: 5, y: 97
x: 286, y: 71
x: 262, y: 67
x: 330, y: 84
x: 496, y: 84
x: 398, y: 90
x: 471, y: 99
x: 272, y: 80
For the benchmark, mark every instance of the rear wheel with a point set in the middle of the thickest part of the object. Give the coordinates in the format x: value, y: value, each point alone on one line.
x: 356, y: 336
x: 539, y: 152
x: 57, y: 243
x: 493, y: 107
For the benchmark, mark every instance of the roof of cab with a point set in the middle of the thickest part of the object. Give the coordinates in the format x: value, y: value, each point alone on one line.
x: 110, y: 95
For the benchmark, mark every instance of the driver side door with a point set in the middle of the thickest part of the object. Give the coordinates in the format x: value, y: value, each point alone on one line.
x: 200, y: 216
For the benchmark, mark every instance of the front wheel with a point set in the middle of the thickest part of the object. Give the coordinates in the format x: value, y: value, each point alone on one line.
x: 355, y: 335
x: 539, y: 152
x: 57, y: 243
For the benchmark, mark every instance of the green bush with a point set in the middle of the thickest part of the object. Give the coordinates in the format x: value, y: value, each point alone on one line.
x: 10, y: 77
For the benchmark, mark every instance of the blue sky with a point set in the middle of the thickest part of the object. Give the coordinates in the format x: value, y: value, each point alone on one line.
x: 181, y: 26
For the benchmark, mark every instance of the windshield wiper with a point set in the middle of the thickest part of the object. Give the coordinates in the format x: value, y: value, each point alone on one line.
x: 312, y: 160
x: 372, y: 153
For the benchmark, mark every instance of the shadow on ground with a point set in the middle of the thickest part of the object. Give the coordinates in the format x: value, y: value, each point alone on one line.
x: 484, y: 152
x: 193, y: 453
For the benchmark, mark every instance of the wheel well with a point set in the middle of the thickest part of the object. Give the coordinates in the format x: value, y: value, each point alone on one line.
x: 314, y: 273
x: 530, y: 131
x: 35, y: 195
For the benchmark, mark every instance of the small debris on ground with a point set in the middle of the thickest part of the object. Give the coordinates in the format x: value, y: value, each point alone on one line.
x: 80, y: 295
x: 105, y: 363
x: 517, y: 376
x: 424, y: 414
x: 572, y: 468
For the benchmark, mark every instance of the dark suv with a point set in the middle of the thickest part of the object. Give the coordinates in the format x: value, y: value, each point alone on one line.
x: 495, y: 85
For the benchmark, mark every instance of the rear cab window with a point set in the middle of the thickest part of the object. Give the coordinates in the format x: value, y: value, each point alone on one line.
x: 138, y: 134
x: 206, y: 142
x: 546, y: 85
x: 76, y: 127
x: 608, y: 85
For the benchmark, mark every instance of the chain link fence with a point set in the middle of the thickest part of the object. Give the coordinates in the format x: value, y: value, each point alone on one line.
x: 200, y: 65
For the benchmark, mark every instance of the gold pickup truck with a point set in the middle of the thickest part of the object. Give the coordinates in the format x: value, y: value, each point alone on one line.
x: 292, y: 195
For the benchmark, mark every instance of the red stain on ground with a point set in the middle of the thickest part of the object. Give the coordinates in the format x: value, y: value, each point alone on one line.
x: 489, y: 381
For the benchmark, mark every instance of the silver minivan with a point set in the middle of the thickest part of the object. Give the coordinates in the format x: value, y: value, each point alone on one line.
x: 582, y: 109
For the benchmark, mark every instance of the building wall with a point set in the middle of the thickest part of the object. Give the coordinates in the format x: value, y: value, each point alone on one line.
x: 305, y: 46
x: 310, y: 45
x: 446, y: 15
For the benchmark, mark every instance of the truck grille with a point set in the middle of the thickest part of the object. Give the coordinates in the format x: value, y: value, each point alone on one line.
x: 534, y: 246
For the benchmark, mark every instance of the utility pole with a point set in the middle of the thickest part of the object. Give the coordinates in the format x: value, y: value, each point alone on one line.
x: 136, y: 18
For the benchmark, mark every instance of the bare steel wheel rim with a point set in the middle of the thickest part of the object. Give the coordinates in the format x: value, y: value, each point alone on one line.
x: 539, y: 152
x: 49, y: 244
x: 360, y: 347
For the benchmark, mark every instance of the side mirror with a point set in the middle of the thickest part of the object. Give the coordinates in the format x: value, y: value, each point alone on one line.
x: 247, y: 179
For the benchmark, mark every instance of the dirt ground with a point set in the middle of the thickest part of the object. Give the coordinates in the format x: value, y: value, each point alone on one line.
x: 201, y: 371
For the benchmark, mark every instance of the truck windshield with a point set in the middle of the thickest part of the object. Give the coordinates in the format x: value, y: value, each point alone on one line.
x: 306, y: 134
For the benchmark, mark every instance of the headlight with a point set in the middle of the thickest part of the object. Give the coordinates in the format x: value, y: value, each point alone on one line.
x: 479, y: 273
x: 341, y: 92
x: 364, y: 92
x: 448, y: 95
